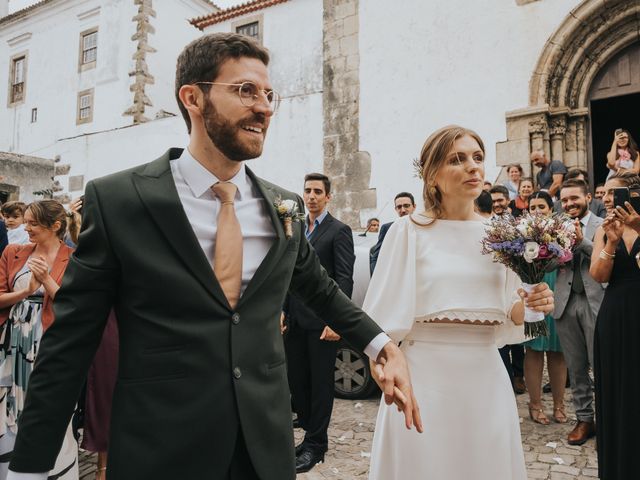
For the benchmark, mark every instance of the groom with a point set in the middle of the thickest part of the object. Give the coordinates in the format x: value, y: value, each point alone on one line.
x: 193, y: 256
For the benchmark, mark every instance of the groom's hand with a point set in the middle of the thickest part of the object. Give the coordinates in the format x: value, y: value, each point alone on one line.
x: 391, y: 373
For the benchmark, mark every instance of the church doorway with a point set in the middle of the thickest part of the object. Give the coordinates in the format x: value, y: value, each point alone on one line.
x: 606, y: 116
x: 614, y: 103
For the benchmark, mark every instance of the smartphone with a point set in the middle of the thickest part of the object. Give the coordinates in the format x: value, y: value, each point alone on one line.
x: 622, y: 195
x: 618, y: 131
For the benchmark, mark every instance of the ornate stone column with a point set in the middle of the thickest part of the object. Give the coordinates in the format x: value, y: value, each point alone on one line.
x: 537, y: 132
x: 557, y: 131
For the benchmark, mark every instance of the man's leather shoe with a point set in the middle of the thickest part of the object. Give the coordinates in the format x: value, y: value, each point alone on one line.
x: 299, y: 448
x: 546, y: 388
x: 307, y: 460
x: 296, y: 423
x: 518, y: 385
x: 581, y: 433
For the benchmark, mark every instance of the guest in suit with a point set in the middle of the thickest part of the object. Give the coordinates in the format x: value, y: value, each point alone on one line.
x: 30, y: 277
x: 512, y: 355
x: 3, y: 236
x: 195, y: 258
x: 404, y: 204
x: 596, y: 205
x: 311, y: 345
x: 578, y: 297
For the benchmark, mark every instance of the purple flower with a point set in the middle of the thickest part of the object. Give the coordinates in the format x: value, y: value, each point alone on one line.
x: 544, y: 252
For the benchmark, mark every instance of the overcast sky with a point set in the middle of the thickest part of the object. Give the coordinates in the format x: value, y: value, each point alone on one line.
x: 20, y: 4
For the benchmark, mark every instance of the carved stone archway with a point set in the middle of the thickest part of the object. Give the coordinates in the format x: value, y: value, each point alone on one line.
x: 556, y: 117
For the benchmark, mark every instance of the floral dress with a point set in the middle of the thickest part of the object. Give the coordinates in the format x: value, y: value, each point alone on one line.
x: 19, y: 342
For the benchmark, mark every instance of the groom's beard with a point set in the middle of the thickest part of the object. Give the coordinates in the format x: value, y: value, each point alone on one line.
x: 225, y: 135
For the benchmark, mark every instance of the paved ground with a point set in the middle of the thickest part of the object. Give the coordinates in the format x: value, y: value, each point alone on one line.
x: 546, y: 452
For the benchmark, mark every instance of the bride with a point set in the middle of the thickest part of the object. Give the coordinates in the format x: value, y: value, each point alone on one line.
x: 451, y: 307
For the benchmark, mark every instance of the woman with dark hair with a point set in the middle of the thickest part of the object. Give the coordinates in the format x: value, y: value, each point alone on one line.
x: 616, y: 260
x: 521, y: 202
x: 30, y: 276
x: 541, y: 203
x: 623, y: 156
x: 451, y: 306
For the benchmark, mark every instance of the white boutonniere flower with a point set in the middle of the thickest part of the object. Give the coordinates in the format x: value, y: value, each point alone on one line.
x: 288, y: 213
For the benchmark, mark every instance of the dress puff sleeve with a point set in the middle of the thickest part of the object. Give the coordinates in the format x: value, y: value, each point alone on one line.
x: 509, y: 333
x: 391, y: 297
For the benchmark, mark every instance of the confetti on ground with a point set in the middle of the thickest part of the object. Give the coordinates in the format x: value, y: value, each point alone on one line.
x: 552, y: 445
x: 365, y: 454
x: 358, y: 405
x: 559, y: 460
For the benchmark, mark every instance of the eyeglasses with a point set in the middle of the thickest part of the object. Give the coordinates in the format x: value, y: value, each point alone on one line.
x: 249, y: 93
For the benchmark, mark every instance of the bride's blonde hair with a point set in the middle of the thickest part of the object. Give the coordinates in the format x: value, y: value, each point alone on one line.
x: 432, y: 157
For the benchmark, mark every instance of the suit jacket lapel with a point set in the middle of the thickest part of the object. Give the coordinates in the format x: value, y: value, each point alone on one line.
x: 158, y: 193
x: 279, y: 245
x: 321, y: 229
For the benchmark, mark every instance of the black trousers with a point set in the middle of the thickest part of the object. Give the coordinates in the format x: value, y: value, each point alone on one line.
x: 310, y: 368
x: 514, y: 363
x: 241, y: 467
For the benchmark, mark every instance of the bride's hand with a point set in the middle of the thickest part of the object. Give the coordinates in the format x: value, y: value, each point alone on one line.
x: 540, y: 299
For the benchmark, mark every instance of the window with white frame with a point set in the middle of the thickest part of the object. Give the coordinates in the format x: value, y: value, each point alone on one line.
x: 88, y: 49
x: 249, y: 29
x: 85, y: 107
x: 17, y: 80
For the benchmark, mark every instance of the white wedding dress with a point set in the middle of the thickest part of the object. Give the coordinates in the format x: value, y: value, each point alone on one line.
x: 469, y: 414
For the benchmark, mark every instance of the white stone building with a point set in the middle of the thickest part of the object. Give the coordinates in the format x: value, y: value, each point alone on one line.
x: 526, y: 74
x: 365, y: 81
x: 79, y: 70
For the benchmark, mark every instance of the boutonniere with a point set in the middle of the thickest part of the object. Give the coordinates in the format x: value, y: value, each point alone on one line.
x: 288, y: 213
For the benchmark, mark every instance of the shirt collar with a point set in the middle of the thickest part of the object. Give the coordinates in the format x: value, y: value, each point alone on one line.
x: 584, y: 220
x: 200, y: 180
x: 319, y: 218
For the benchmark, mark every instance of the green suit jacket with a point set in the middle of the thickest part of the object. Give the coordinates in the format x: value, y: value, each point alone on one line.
x: 192, y: 371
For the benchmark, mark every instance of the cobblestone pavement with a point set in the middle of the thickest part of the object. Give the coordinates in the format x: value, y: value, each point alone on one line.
x: 547, y: 453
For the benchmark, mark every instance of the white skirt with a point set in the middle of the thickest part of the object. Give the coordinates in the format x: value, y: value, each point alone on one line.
x: 469, y: 412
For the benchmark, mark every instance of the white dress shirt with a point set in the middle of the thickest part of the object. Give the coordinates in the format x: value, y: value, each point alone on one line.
x: 201, y: 205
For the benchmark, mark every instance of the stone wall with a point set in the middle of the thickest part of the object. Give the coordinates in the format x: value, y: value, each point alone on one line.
x: 348, y: 168
x: 21, y: 176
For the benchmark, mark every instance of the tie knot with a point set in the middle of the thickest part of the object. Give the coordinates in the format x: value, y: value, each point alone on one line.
x: 226, y: 191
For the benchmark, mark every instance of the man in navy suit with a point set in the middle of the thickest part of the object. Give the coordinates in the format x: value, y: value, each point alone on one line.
x: 405, y: 204
x: 310, y: 344
x: 3, y: 236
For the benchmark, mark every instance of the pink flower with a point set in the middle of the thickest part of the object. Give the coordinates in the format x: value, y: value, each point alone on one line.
x: 566, y: 256
x: 544, y: 252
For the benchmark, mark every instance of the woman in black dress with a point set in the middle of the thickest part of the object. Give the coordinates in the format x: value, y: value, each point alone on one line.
x: 616, y: 260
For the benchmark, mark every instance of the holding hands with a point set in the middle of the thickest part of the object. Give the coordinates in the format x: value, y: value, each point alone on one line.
x: 391, y: 373
x: 539, y: 299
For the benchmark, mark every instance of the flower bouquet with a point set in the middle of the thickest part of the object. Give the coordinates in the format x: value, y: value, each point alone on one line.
x: 530, y: 246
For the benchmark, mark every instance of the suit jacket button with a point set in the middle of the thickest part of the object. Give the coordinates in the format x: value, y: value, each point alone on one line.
x: 235, y: 318
x: 237, y: 373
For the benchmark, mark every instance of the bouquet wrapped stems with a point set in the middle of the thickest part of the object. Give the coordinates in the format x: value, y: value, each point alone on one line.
x: 534, y: 322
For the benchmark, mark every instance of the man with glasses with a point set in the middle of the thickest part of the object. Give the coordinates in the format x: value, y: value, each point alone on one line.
x: 404, y: 204
x: 193, y: 253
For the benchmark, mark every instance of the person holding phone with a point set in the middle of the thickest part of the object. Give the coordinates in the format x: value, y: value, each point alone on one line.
x: 615, y: 260
x: 623, y: 156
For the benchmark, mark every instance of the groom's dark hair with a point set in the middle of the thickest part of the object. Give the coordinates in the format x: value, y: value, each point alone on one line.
x: 200, y: 61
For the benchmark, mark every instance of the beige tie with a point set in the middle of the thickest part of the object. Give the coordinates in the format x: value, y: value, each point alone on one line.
x: 227, y: 258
